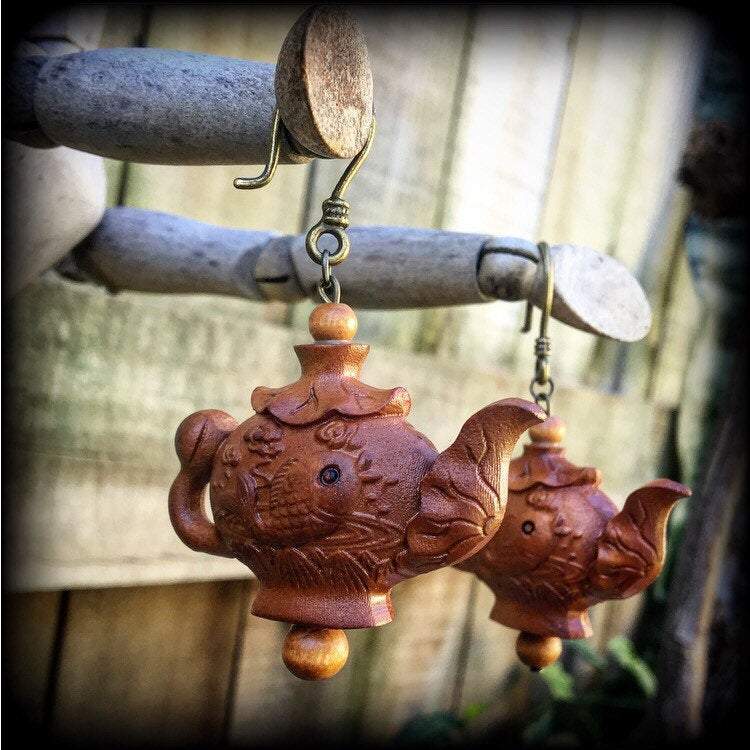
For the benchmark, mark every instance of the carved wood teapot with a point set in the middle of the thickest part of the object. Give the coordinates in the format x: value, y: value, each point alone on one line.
x: 331, y: 497
x: 563, y: 546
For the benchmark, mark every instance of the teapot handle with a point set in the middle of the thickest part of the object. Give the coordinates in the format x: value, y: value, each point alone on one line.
x: 197, y: 440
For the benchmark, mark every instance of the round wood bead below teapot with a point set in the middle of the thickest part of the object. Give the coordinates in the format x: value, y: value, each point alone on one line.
x: 315, y: 653
x: 333, y: 321
x: 538, y: 651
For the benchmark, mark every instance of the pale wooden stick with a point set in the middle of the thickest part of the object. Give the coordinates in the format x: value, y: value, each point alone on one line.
x: 163, y: 106
x: 157, y: 106
x: 388, y: 268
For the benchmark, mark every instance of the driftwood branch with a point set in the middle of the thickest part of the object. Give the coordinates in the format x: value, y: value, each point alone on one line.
x: 164, y: 106
x: 389, y: 268
x: 155, y: 106
x: 50, y: 187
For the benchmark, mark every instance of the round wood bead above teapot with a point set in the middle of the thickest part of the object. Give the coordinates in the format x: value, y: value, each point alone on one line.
x: 563, y: 546
x: 331, y: 497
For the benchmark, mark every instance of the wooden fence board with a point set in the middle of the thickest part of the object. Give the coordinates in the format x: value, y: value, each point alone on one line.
x: 148, y: 665
x: 413, y: 668
x: 491, y: 655
x: 515, y: 90
x: 30, y: 624
x: 622, y: 131
x: 316, y: 711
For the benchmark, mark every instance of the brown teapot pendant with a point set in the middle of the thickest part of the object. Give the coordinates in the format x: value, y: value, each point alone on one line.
x: 563, y: 546
x: 331, y: 497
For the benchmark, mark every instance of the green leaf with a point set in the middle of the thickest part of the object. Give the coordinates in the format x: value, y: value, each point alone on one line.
x: 624, y: 654
x: 587, y: 652
x: 473, y: 710
x: 559, y: 682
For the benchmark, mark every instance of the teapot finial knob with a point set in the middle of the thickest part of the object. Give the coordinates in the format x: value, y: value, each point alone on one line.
x: 551, y: 431
x: 332, y: 321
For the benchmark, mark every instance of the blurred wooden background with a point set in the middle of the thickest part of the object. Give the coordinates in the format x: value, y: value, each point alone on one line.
x: 557, y: 124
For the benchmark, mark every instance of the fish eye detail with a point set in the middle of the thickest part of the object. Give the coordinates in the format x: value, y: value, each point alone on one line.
x: 528, y: 527
x: 329, y: 475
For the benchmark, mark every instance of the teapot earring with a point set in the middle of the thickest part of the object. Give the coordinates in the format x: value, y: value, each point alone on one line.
x: 563, y: 546
x: 327, y: 493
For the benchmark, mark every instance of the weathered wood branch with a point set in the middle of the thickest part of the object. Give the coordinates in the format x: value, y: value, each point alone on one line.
x: 389, y: 268
x: 164, y: 106
x: 58, y: 194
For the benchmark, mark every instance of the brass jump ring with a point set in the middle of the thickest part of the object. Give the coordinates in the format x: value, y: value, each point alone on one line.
x: 338, y: 255
x: 542, y: 398
x: 336, y: 297
x: 326, y: 266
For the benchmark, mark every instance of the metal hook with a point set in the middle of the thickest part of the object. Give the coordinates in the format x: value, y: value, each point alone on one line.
x: 548, y: 271
x: 252, y: 183
x: 542, y: 385
x: 542, y: 344
x: 335, y: 217
x: 354, y: 164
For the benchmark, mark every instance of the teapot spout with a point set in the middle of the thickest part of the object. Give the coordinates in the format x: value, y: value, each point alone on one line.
x: 631, y: 550
x: 464, y: 493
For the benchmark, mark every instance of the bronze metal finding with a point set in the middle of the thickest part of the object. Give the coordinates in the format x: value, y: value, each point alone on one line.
x: 269, y: 170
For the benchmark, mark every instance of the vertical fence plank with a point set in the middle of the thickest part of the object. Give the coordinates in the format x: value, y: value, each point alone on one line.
x: 30, y: 623
x: 515, y: 88
x: 413, y: 665
x: 314, y: 710
x: 148, y: 665
x: 622, y: 132
x: 491, y: 654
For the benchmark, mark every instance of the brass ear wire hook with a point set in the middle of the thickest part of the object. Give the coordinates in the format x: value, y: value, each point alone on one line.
x: 549, y: 277
x: 252, y: 183
x: 542, y: 345
x: 335, y: 217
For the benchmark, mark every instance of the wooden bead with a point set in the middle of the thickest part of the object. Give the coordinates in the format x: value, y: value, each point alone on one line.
x: 538, y: 651
x: 315, y: 653
x: 333, y: 321
x: 552, y: 430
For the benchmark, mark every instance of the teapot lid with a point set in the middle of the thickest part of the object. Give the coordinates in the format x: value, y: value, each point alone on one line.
x: 544, y: 462
x: 330, y: 383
